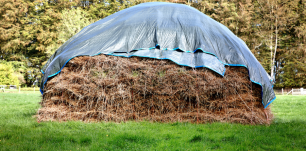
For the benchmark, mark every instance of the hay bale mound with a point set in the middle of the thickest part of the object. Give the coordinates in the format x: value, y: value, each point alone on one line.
x: 110, y: 88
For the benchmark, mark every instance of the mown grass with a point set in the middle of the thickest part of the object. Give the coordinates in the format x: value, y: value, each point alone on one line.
x: 20, y: 131
x: 21, y: 90
x: 289, y: 108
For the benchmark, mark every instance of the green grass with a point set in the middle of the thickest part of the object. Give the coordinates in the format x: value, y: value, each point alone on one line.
x: 21, y: 90
x: 20, y: 131
x: 289, y: 108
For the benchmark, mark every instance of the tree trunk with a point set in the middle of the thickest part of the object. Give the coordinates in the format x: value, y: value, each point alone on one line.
x: 275, y: 48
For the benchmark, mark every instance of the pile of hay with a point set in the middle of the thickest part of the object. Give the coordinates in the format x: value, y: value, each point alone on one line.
x: 109, y: 88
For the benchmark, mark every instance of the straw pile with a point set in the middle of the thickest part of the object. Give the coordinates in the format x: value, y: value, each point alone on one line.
x: 109, y: 88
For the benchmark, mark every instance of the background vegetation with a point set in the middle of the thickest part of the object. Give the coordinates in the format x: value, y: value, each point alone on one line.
x: 274, y: 30
x: 7, y: 75
x: 19, y: 130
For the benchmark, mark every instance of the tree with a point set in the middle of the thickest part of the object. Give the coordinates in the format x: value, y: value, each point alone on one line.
x: 43, y: 22
x: 276, y: 18
x: 7, y: 76
x: 12, y: 41
x: 101, y: 9
x: 73, y: 21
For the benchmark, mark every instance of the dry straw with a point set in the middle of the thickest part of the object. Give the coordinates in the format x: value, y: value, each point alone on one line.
x: 109, y: 88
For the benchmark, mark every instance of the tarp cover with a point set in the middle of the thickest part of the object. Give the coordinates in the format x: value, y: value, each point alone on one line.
x: 161, y: 30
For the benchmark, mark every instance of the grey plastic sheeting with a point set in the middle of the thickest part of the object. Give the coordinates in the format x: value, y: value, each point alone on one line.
x: 163, y: 31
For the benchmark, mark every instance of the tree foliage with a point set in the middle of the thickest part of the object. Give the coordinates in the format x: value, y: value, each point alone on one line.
x: 73, y: 21
x: 7, y: 76
x: 12, y: 24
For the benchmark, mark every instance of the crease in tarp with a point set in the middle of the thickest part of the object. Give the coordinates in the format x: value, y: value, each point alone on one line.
x: 222, y: 74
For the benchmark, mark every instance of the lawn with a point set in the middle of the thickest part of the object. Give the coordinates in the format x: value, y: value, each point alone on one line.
x: 20, y: 131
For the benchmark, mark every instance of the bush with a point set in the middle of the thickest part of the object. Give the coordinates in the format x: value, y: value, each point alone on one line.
x: 29, y: 89
x: 7, y: 76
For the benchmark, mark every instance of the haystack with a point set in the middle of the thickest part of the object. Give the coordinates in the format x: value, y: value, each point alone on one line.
x: 110, y: 88
x: 156, y: 61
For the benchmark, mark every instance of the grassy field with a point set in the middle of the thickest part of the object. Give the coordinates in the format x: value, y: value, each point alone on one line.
x: 20, y: 131
x: 27, y: 90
